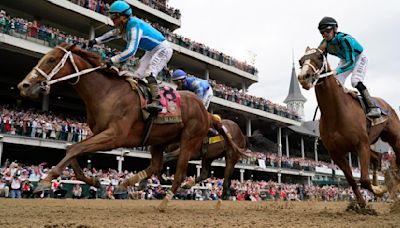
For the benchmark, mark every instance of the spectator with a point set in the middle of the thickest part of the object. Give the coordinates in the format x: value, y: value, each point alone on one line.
x: 4, y: 189
x: 15, y: 186
x: 77, y: 191
x: 27, y: 189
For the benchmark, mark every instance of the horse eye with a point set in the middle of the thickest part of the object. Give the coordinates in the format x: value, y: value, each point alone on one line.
x: 52, y: 59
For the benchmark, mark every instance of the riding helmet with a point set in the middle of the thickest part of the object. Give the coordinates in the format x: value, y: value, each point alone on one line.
x: 120, y: 7
x: 326, y: 22
x: 178, y: 75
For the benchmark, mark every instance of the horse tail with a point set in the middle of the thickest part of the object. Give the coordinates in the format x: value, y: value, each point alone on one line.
x: 216, y: 123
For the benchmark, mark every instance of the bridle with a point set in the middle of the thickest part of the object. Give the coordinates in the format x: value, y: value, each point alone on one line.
x: 68, y: 55
x: 317, y: 72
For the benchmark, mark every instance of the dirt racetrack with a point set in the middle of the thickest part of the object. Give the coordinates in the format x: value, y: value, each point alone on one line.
x: 140, y: 213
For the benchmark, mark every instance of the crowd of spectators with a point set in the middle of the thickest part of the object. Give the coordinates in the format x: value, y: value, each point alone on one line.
x: 234, y: 95
x: 16, y: 182
x: 45, y: 125
x: 53, y: 36
x: 98, y: 6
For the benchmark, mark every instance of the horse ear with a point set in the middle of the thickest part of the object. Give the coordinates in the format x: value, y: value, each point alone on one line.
x: 308, y: 48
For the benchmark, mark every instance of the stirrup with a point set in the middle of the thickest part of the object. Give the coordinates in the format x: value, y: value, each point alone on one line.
x: 374, y: 113
x: 154, y: 106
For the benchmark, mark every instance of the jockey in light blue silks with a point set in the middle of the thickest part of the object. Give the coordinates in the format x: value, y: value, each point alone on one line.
x: 196, y: 85
x: 353, y: 59
x: 138, y: 34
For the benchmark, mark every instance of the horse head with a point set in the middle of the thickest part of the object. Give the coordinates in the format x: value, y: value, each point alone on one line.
x: 312, y: 66
x: 59, y: 64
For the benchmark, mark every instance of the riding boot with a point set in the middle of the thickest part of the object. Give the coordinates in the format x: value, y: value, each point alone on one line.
x: 212, y: 132
x: 155, y: 95
x: 373, y: 111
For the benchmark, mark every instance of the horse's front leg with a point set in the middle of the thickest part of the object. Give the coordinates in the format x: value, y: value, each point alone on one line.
x: 93, y: 181
x: 103, y: 141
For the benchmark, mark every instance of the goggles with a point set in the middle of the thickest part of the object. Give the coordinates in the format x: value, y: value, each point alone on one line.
x: 326, y: 30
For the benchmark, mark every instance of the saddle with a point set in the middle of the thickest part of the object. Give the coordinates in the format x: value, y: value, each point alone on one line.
x: 170, y: 101
x: 384, y: 117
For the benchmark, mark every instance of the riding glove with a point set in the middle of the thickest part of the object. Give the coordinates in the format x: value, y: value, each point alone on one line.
x: 109, y: 63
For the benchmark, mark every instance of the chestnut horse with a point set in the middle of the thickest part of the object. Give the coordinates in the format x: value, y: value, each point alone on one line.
x: 343, y: 123
x: 114, y: 115
x: 215, y: 151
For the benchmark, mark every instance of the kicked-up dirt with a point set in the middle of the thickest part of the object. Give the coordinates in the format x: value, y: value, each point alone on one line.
x: 144, y: 213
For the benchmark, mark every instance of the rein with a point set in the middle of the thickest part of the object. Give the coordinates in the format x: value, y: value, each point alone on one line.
x: 68, y: 55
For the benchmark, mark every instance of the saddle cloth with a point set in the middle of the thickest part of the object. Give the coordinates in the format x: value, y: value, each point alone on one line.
x: 170, y: 101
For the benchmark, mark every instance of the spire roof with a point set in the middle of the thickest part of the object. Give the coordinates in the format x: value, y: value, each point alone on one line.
x: 294, y: 89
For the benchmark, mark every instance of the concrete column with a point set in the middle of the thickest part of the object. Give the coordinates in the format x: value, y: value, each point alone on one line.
x: 120, y: 159
x: 350, y: 161
x: 241, y: 175
x: 92, y: 33
x: 207, y: 74
x: 45, y: 102
x: 248, y: 127
x: 316, y: 148
x: 287, y: 145
x: 244, y: 89
x: 279, y: 178
x: 279, y: 135
x: 302, y: 147
x: 198, y: 167
x: 1, y: 152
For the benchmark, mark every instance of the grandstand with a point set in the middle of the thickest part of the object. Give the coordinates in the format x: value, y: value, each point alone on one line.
x: 288, y: 149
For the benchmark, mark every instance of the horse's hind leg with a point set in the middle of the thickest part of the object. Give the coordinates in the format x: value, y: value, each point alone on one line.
x: 229, y: 168
x: 344, y: 166
x: 188, y: 146
x: 155, y: 167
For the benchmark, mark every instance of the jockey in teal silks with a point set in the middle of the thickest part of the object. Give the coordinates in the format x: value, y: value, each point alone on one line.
x: 353, y: 59
x: 138, y: 34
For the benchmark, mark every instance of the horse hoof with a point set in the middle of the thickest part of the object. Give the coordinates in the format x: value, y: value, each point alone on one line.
x: 163, y: 206
x: 96, y: 183
x: 218, y: 206
x: 42, y: 186
x: 379, y: 190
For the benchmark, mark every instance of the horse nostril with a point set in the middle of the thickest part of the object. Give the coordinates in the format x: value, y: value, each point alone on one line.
x: 26, y: 85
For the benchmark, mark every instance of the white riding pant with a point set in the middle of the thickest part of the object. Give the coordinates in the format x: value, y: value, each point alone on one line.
x: 154, y: 61
x: 207, y: 97
x: 358, y: 72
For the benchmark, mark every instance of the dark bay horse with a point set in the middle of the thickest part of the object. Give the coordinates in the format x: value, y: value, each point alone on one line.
x: 343, y: 124
x: 114, y: 115
x: 218, y: 150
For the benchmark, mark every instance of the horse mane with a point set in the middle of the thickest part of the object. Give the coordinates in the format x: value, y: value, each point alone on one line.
x: 91, y: 57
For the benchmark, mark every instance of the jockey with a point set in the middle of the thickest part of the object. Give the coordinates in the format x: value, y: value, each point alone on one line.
x: 138, y: 34
x: 198, y: 86
x: 353, y: 59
